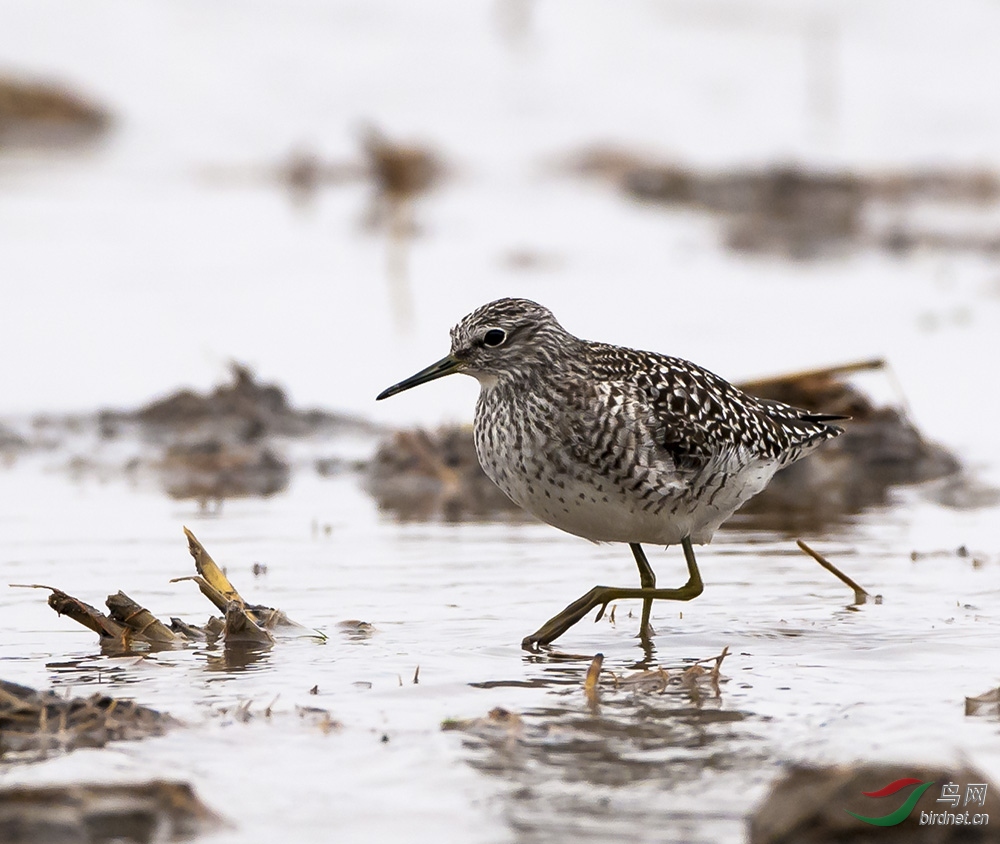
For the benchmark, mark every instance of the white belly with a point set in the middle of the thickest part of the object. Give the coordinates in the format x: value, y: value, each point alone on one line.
x: 581, y: 509
x: 571, y: 496
x: 574, y: 500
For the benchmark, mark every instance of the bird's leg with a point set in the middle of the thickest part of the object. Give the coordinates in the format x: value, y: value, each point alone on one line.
x: 647, y: 580
x: 601, y: 596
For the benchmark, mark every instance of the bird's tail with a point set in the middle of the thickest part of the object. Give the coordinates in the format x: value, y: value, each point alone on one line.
x: 810, y: 428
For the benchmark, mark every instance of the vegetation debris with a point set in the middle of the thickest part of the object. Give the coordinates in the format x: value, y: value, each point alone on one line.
x: 689, y: 677
x: 593, y: 678
x: 104, y: 813
x: 35, y: 723
x: 985, y: 704
x: 496, y: 720
x: 130, y: 625
x: 400, y: 172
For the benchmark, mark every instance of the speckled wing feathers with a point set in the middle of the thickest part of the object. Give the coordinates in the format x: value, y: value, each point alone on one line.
x: 692, y: 418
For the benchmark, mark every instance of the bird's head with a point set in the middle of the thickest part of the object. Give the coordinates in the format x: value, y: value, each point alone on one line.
x: 503, y: 339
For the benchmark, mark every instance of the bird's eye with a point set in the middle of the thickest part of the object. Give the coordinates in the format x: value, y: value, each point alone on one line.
x: 494, y: 337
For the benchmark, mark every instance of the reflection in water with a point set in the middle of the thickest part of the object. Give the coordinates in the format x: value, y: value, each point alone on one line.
x: 238, y: 656
x: 631, y: 757
x: 103, y: 669
x: 90, y: 670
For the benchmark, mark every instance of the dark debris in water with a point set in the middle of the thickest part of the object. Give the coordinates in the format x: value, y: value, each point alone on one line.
x: 400, y: 172
x: 813, y: 805
x: 210, y: 472
x: 497, y: 719
x: 692, y: 679
x: 315, y: 716
x: 977, y: 559
x: 36, y: 723
x: 798, y: 212
x: 104, y: 813
x: 356, y: 629
x: 11, y: 442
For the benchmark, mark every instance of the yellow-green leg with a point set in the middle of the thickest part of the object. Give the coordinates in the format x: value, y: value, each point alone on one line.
x: 601, y: 596
x: 647, y: 579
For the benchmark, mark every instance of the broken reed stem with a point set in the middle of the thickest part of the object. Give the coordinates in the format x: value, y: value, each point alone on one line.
x: 590, y: 684
x: 718, y: 663
x: 759, y: 384
x: 861, y: 595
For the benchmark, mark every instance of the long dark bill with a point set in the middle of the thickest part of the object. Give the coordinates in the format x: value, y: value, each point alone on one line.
x: 445, y: 366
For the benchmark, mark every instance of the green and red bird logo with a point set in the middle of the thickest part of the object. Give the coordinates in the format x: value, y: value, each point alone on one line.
x: 903, y: 811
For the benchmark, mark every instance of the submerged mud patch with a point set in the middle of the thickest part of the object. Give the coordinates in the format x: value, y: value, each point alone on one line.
x: 34, y: 724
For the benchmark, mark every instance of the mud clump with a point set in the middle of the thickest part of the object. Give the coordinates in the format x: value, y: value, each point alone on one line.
x: 10, y: 441
x: 244, y: 410
x: 224, y: 443
x: 36, y: 723
x: 216, y: 444
x: 822, y: 805
x: 799, y: 212
x: 399, y: 173
x: 418, y: 475
x: 879, y: 449
x: 783, y: 209
x: 984, y: 705
x: 102, y: 813
x: 36, y: 113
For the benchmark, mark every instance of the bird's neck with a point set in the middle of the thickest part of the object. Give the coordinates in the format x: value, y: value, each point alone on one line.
x: 487, y: 381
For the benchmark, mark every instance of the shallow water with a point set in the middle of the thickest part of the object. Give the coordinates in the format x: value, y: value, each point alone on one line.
x: 134, y: 272
x: 808, y: 678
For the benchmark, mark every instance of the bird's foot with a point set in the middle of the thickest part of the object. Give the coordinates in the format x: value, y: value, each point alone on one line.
x: 646, y: 632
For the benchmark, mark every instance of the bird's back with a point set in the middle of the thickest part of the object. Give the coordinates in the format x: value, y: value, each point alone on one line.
x: 698, y: 417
